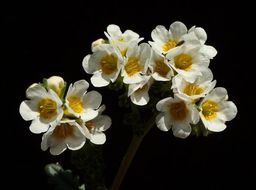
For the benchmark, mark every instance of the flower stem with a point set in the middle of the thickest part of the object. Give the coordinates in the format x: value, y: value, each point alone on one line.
x: 128, y: 157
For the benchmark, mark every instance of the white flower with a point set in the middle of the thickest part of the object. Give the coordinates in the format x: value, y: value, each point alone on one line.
x: 216, y: 110
x: 119, y: 39
x: 67, y: 134
x: 197, y: 35
x: 97, y: 126
x: 165, y: 40
x: 43, y: 108
x: 81, y: 103
x: 188, y: 61
x: 159, y: 67
x: 56, y: 83
x: 193, y: 91
x: 139, y: 92
x: 105, y: 65
x: 136, y: 63
x: 176, y: 114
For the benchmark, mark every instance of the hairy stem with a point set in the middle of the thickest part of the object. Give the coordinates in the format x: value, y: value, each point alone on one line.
x: 131, y: 152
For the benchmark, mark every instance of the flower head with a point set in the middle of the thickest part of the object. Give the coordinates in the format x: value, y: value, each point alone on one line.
x: 176, y: 114
x: 193, y: 91
x: 121, y: 40
x: 105, y: 65
x: 43, y: 108
x: 215, y: 110
x: 188, y: 61
x: 80, y: 103
x: 97, y: 126
x: 136, y: 63
x: 165, y: 40
x: 138, y: 92
x: 67, y: 134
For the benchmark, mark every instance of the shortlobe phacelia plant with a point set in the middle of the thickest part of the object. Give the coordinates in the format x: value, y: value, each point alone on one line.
x: 165, y: 82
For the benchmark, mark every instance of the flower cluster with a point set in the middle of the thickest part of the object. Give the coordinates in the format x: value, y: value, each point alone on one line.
x: 177, y: 55
x: 67, y: 119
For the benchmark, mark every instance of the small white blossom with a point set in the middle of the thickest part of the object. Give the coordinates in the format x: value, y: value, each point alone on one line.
x: 67, y: 134
x: 193, y: 91
x: 105, y: 65
x: 165, y: 40
x: 216, y: 110
x: 159, y: 67
x: 136, y: 63
x: 188, y: 61
x: 43, y: 108
x: 121, y: 40
x: 80, y: 103
x: 176, y: 114
x: 97, y: 126
x: 139, y: 92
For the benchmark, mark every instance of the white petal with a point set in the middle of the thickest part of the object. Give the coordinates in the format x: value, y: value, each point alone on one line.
x: 194, y: 115
x: 89, y: 114
x: 58, y: 149
x: 75, y: 143
x: 140, y: 99
x: 80, y: 87
x: 214, y: 125
x: 229, y: 112
x: 162, y: 104
x: 92, y: 100
x: 98, y: 81
x: 86, y: 132
x: 130, y: 35
x: 208, y: 51
x: 182, y: 130
x: 160, y: 34
x: 200, y: 34
x: 98, y: 138
x: 137, y: 78
x: 114, y: 30
x: 38, y: 127
x: 86, y: 65
x: 161, y: 122
x: 36, y: 91
x: 218, y: 94
x: 102, y: 122
x: 44, y: 143
x: 25, y: 111
x: 178, y: 29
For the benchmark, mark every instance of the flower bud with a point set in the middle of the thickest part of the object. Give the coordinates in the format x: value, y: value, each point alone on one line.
x: 98, y: 42
x: 56, y: 83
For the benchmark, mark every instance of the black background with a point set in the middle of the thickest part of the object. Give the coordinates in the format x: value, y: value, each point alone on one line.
x: 46, y: 38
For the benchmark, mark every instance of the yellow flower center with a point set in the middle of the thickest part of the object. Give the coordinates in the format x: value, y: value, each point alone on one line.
x: 192, y: 89
x: 132, y: 66
x: 108, y: 64
x: 183, y: 61
x: 75, y: 103
x: 47, y: 108
x: 210, y: 109
x: 169, y: 45
x: 63, y: 131
x: 89, y: 124
x: 178, y: 111
x: 161, y: 68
